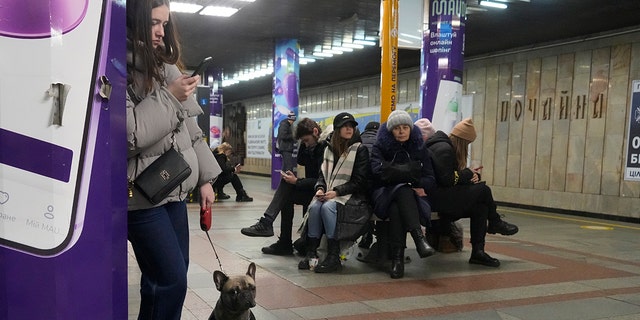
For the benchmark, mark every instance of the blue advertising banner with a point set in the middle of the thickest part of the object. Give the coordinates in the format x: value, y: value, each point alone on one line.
x: 286, y: 89
x: 442, y: 62
x: 632, y: 165
x: 63, y: 231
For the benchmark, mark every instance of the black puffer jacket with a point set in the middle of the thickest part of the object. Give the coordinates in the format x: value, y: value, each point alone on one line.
x: 456, y: 198
x: 384, y: 150
x: 444, y: 161
x: 387, y: 147
x: 224, y: 163
x: 369, y: 138
x: 311, y: 160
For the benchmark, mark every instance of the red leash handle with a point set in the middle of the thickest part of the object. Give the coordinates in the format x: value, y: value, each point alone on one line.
x: 205, y: 218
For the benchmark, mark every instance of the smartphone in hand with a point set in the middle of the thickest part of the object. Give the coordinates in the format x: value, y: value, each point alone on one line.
x: 202, y: 66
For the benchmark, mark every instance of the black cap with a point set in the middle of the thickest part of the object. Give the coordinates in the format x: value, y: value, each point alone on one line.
x: 342, y: 119
x: 373, y: 125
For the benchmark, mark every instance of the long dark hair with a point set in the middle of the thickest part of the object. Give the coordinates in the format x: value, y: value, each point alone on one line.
x: 339, y: 144
x: 147, y: 60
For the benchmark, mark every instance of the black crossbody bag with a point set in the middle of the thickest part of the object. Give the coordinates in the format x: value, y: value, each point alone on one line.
x: 162, y: 176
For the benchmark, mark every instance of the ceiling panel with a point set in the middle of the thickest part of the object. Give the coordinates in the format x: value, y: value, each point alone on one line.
x: 247, y: 38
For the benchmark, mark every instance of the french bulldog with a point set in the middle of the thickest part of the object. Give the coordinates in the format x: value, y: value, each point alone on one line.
x: 237, y: 295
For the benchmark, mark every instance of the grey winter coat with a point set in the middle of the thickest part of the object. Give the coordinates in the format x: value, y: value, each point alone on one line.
x: 150, y: 126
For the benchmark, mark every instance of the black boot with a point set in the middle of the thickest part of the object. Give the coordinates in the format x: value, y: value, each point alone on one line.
x: 478, y: 256
x: 243, y: 197
x: 502, y: 227
x: 397, y: 262
x: 332, y: 262
x: 220, y: 195
x: 423, y: 248
x: 312, y: 252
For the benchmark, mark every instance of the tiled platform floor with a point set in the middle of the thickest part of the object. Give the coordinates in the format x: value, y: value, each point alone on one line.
x: 556, y: 267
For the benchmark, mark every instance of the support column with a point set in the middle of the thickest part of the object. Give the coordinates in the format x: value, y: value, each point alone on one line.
x: 286, y: 90
x: 389, y: 59
x: 442, y: 62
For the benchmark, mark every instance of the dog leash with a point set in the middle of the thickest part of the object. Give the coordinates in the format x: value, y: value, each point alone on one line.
x: 214, y: 250
x: 205, y: 225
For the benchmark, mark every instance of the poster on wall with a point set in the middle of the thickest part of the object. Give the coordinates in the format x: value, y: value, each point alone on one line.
x: 215, y: 131
x: 632, y: 167
x: 258, y: 138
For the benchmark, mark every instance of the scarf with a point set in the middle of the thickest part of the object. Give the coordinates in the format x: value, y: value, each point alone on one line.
x: 339, y: 173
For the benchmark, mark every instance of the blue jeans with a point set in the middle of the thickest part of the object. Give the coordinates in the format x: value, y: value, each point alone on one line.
x: 322, y: 217
x: 160, y: 240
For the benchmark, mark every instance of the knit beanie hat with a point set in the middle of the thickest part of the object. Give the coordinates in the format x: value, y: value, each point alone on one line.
x: 291, y: 116
x: 425, y: 127
x: 465, y: 130
x: 397, y: 118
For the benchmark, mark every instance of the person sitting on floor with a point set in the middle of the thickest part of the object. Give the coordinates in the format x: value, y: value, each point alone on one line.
x: 229, y: 174
x: 343, y: 179
x: 461, y: 193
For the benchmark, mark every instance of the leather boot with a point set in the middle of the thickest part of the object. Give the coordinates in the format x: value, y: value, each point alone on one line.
x: 243, y: 197
x: 422, y: 246
x: 311, y: 252
x: 332, y: 262
x: 478, y: 256
x: 397, y: 263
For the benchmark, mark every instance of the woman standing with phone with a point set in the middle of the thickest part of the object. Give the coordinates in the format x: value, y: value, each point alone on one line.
x: 160, y: 116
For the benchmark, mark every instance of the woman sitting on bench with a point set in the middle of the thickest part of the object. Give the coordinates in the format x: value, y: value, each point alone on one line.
x: 402, y: 173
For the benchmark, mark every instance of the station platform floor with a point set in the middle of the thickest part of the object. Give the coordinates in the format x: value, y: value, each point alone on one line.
x: 556, y: 267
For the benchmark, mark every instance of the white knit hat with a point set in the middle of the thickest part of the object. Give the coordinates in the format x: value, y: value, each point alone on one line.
x: 397, y: 118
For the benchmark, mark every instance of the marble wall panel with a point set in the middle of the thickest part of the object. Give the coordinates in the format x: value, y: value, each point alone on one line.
x: 545, y: 124
x: 631, y: 188
x: 578, y: 125
x: 561, y: 122
x: 516, y: 118
x: 502, y: 124
x: 612, y: 162
x: 530, y: 123
x: 598, y: 93
x: 474, y: 86
x: 490, y: 121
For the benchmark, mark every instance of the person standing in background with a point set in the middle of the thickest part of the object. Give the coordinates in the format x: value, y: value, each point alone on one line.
x: 286, y: 142
x: 161, y: 113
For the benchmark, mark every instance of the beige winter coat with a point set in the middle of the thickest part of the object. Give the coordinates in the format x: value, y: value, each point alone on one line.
x: 150, y: 126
